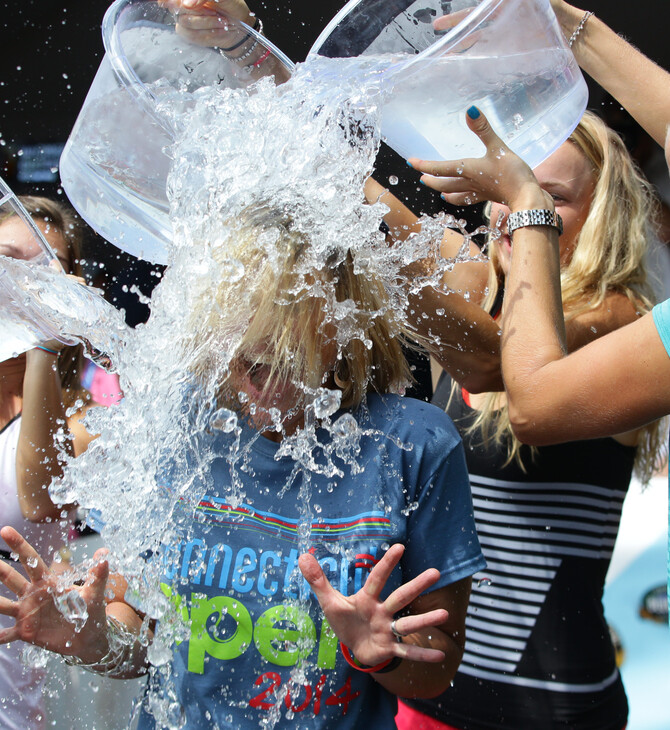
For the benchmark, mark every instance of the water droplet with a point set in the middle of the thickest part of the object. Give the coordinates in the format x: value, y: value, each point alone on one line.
x: 224, y: 420
x: 327, y: 402
x: 73, y: 608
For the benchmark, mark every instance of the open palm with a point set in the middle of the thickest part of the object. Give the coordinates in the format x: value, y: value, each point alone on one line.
x: 37, y: 618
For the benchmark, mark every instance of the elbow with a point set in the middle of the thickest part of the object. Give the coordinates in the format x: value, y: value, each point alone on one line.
x: 528, y: 424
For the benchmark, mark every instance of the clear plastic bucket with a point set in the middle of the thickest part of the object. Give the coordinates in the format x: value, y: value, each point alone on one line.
x: 508, y: 57
x: 20, y: 328
x: 115, y: 163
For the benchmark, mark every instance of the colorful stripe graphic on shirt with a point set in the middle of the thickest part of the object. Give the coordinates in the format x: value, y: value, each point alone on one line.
x: 362, y: 526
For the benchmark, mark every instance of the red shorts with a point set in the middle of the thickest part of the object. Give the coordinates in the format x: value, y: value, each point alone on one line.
x: 410, y: 719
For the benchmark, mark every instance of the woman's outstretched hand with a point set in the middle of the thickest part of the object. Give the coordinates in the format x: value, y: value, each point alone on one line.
x: 363, y: 623
x: 500, y: 175
x: 37, y: 618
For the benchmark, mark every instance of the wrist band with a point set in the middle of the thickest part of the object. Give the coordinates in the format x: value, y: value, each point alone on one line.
x: 46, y: 349
x: 118, y: 655
x: 264, y: 57
x: 257, y: 26
x: 386, y: 666
x: 534, y: 217
x: 579, y: 28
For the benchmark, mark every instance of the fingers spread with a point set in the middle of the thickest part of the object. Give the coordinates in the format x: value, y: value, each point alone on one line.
x: 416, y: 622
x: 479, y: 124
x: 7, y: 607
x: 448, y: 184
x: 33, y: 564
x: 314, y: 575
x: 13, y: 579
x: 376, y: 581
x: 96, y: 583
x: 438, y: 168
x: 407, y: 592
x: 419, y: 653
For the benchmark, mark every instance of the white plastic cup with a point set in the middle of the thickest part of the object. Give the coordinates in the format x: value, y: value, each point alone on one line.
x: 507, y: 57
x: 114, y: 166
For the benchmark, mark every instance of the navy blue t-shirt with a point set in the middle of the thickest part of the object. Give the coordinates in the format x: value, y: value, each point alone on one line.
x: 235, y: 577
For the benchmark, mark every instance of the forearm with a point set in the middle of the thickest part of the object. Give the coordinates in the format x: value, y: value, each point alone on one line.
x: 533, y: 335
x: 618, y: 67
x: 38, y: 450
x: 463, y: 338
x: 400, y: 219
x: 424, y: 679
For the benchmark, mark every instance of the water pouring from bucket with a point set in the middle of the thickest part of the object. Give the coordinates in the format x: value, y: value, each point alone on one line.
x: 38, y: 302
x: 115, y: 164
x: 507, y: 57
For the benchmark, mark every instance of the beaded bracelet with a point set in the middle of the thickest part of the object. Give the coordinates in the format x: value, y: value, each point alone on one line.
x: 260, y: 61
x: 257, y: 26
x: 579, y: 28
x: 386, y: 666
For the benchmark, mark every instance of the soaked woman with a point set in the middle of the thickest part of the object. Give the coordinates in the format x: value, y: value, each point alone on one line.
x: 280, y: 524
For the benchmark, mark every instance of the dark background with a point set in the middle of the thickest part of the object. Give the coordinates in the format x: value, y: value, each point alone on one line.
x: 50, y: 52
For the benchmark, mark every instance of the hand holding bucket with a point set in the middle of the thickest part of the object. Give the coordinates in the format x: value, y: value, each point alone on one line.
x: 507, y: 57
x: 114, y: 166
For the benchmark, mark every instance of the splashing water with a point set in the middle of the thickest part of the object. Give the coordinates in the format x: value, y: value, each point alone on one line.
x: 300, y: 153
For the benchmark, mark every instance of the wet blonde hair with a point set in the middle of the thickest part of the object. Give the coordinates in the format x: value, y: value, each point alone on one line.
x: 281, y: 312
x: 609, y: 256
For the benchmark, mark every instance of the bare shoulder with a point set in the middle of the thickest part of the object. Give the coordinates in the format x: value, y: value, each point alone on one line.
x: 617, y: 310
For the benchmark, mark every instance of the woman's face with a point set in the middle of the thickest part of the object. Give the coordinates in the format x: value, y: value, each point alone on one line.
x: 250, y: 371
x: 568, y: 177
x: 17, y: 241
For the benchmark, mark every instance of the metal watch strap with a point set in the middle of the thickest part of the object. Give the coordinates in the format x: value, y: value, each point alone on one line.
x: 534, y: 217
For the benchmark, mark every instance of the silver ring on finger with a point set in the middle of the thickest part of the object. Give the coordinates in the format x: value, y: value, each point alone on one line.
x: 398, y: 636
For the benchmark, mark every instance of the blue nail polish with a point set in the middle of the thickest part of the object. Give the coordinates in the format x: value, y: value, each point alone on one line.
x: 422, y: 182
x: 409, y: 164
x: 473, y: 112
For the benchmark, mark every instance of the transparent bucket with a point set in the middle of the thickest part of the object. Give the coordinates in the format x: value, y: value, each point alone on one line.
x: 508, y: 57
x: 20, y: 327
x: 114, y: 166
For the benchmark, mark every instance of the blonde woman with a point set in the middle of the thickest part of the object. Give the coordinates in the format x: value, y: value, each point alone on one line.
x: 539, y: 654
x: 399, y: 621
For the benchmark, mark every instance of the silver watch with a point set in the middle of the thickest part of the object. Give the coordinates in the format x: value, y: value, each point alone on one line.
x: 534, y: 217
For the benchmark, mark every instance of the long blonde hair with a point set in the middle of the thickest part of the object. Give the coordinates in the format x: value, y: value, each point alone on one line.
x: 291, y: 300
x: 609, y: 256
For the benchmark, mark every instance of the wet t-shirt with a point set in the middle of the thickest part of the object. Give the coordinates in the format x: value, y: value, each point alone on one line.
x: 259, y: 647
